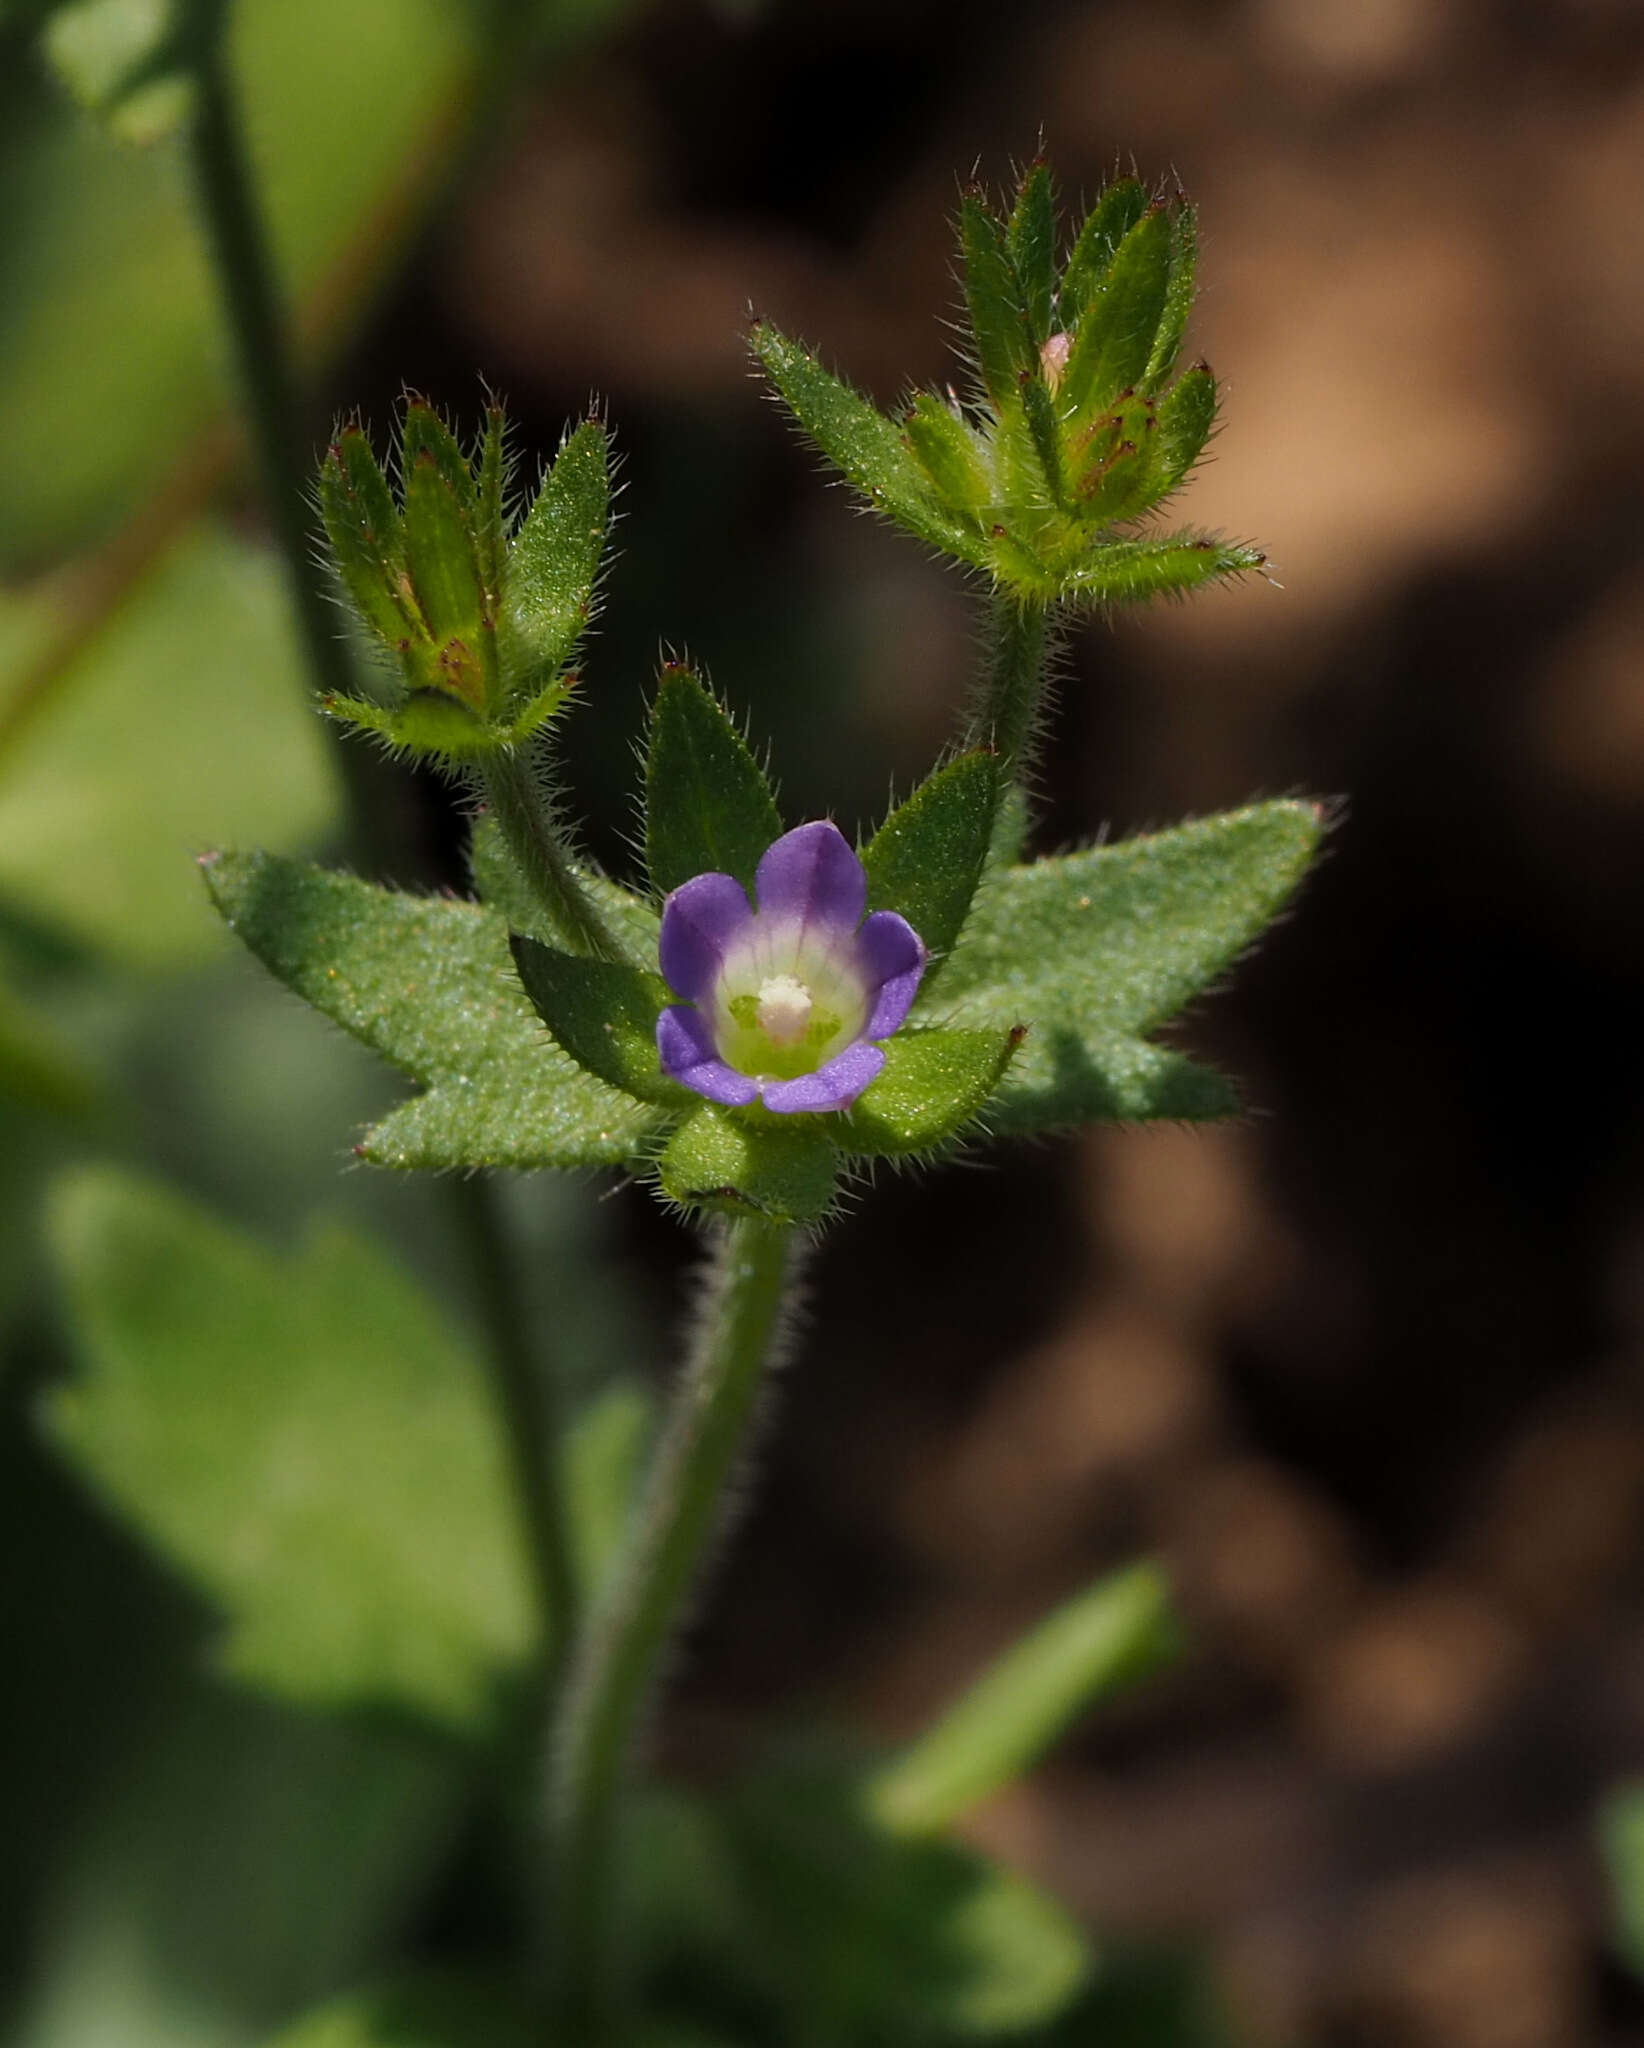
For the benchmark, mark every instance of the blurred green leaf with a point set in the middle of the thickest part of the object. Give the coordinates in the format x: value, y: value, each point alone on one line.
x: 430, y: 2010
x: 427, y: 982
x: 881, y: 1940
x: 926, y: 860
x: 1094, y: 950
x: 182, y: 724
x: 103, y: 242
x: 1104, y: 1638
x: 708, y: 804
x: 306, y: 1440
x: 253, y: 1858
x: 1621, y: 1843
x: 605, y: 1459
x: 122, y: 59
x: 37, y: 1070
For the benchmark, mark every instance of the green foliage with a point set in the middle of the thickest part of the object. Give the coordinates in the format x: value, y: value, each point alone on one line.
x: 280, y: 1430
x: 884, y: 1940
x: 1621, y: 1843
x: 934, y: 1083
x: 783, y: 1168
x: 1094, y: 950
x: 479, y: 622
x: 1072, y: 435
x: 38, y: 1071
x: 181, y: 724
x: 1103, y: 1638
x: 708, y: 806
x: 603, y: 1013
x: 427, y: 983
x: 926, y: 860
x: 125, y: 60
x: 429, y: 2010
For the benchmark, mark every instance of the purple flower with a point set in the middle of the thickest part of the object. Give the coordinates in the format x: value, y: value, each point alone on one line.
x: 783, y: 1003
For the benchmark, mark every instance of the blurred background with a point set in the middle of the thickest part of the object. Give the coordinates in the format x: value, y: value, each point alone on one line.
x: 1367, y: 1368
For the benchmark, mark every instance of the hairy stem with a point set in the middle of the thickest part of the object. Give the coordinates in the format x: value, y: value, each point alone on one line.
x: 522, y: 814
x: 528, y: 1402
x: 1007, y: 718
x: 617, y: 1661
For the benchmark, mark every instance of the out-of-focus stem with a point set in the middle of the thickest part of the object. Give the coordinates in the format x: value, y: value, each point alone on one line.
x: 616, y: 1664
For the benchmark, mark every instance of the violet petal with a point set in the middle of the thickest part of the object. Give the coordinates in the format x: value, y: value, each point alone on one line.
x: 835, y: 1085
x: 685, y: 1046
x: 811, y: 877
x: 699, y: 921
x: 892, y: 958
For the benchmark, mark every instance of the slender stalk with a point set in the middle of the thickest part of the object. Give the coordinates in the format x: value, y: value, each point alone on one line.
x: 618, y: 1659
x: 527, y: 1397
x: 245, y: 274
x: 1008, y: 716
x: 521, y: 811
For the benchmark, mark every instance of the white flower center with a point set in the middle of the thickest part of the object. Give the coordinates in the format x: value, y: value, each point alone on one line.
x: 784, y: 1009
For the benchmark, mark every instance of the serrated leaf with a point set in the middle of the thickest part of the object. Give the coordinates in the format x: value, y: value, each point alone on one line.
x: 1113, y: 216
x: 1005, y: 351
x: 1032, y: 243
x: 865, y: 446
x: 277, y: 1428
x: 427, y: 982
x: 883, y: 1940
x: 1117, y: 328
x: 431, y: 2009
x: 1095, y: 949
x: 1105, y: 1637
x: 926, y: 860
x: 1187, y: 412
x: 783, y: 1168
x: 708, y: 806
x: 603, y: 1013
x: 1129, y: 571
x: 933, y: 1083
x: 553, y: 562
x: 1184, y: 257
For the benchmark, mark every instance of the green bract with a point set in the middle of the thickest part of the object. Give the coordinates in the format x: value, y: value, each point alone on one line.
x: 478, y: 618
x: 1074, y: 431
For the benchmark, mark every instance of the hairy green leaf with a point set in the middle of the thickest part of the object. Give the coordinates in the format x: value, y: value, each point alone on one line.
x: 868, y: 448
x: 1005, y: 351
x: 603, y: 1013
x: 1187, y: 412
x: 1031, y: 239
x: 926, y: 860
x: 283, y: 1430
x: 708, y: 806
x: 1103, y: 1638
x: 1127, y: 571
x: 1178, y: 304
x: 427, y: 982
x: 783, y: 1167
x: 950, y: 451
x: 932, y: 1085
x: 553, y: 562
x: 1093, y: 950
x: 1113, y: 216
x: 367, y: 538
x: 1118, y: 327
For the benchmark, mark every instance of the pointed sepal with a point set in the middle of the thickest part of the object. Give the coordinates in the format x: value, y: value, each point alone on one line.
x: 708, y: 806
x: 603, y: 1013
x: 783, y: 1169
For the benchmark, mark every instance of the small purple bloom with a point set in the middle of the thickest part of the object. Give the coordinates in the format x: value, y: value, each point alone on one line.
x: 783, y: 1003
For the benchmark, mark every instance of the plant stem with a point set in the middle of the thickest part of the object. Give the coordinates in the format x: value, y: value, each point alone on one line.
x: 522, y: 814
x: 618, y: 1657
x: 1007, y: 718
x: 527, y: 1398
x: 245, y: 275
